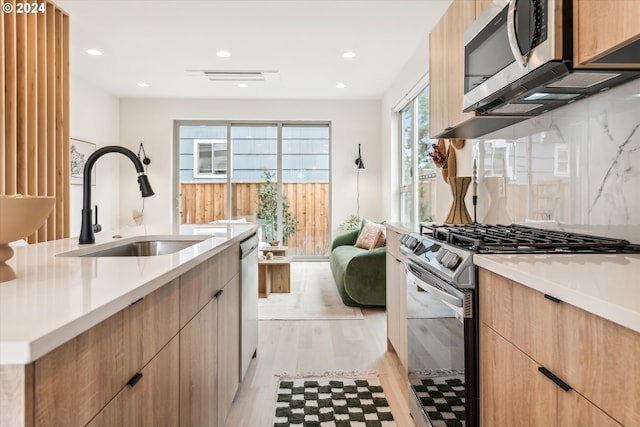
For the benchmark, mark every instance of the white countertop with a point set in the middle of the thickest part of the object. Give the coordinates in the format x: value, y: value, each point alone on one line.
x: 54, y: 298
x: 605, y: 285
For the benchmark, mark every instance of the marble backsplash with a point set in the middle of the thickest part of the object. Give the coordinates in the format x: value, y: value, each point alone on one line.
x: 577, y: 167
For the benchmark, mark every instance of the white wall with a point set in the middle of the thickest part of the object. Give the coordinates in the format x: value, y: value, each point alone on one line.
x: 95, y: 116
x: 151, y: 121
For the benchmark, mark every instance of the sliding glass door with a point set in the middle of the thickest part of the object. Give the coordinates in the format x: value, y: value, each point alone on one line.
x: 276, y: 174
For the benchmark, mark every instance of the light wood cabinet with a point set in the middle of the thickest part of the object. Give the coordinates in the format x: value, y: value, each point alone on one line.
x: 576, y: 346
x: 210, y: 358
x: 139, y: 367
x: 77, y: 379
x: 602, y: 360
x: 396, y: 298
x: 512, y: 391
x: 605, y: 29
x: 446, y: 77
x: 228, y: 347
x: 198, y: 369
x: 201, y: 283
x: 446, y: 67
x: 152, y: 400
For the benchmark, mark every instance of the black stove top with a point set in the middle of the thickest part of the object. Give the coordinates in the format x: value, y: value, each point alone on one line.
x: 505, y: 239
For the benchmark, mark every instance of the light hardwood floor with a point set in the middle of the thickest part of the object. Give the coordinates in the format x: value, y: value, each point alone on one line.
x: 300, y: 346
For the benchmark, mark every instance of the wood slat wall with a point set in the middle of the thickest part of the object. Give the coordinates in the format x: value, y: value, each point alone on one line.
x: 35, y: 118
x: 202, y: 203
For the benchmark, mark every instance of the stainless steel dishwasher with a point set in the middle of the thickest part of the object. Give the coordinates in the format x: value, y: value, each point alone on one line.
x: 249, y: 305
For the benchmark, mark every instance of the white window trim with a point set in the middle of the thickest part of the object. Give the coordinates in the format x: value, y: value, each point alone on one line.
x: 196, y: 143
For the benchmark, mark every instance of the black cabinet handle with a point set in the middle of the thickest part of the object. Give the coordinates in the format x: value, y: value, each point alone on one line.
x: 134, y: 380
x: 137, y: 301
x: 547, y: 373
x: 217, y: 294
x: 554, y: 299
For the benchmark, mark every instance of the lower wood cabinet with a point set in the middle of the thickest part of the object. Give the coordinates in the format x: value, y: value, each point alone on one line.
x: 141, y: 366
x: 546, y: 362
x: 396, y: 298
x: 228, y: 347
x: 151, y: 397
x: 210, y: 360
x: 512, y: 391
x: 198, y: 369
x: 76, y: 380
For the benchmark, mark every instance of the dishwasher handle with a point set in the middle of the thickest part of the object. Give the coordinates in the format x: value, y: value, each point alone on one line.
x: 248, y: 245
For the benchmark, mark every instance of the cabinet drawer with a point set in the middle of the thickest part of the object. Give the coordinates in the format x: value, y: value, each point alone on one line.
x: 512, y: 391
x: 153, y: 400
x: 77, y: 379
x: 521, y: 315
x: 199, y: 285
x: 601, y: 360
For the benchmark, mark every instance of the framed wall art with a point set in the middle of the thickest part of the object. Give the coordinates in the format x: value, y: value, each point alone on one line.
x: 79, y: 152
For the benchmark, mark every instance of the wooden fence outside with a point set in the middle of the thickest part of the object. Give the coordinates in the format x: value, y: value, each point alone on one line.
x: 204, y: 202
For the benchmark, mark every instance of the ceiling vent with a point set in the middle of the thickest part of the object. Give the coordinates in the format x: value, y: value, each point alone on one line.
x: 236, y: 75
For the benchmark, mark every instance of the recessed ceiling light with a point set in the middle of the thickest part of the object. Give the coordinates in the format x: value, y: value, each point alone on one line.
x: 223, y: 54
x: 243, y: 85
x: 341, y: 85
x: 349, y: 54
x: 93, y: 52
x: 143, y: 84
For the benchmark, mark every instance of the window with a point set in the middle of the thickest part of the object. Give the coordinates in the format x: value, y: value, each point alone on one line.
x: 274, y: 173
x: 209, y: 158
x: 417, y: 171
x: 561, y: 160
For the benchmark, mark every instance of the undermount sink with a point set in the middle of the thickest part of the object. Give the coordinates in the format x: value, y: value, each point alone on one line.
x: 137, y: 247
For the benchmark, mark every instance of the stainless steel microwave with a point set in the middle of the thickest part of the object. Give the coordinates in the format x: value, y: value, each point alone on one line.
x: 518, y: 60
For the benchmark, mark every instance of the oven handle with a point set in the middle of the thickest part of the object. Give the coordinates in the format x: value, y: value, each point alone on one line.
x: 512, y: 36
x: 439, y: 289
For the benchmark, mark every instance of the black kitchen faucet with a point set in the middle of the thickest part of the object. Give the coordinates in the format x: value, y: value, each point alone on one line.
x: 86, y: 230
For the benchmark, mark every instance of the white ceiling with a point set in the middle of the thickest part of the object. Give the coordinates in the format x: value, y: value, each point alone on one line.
x: 157, y: 41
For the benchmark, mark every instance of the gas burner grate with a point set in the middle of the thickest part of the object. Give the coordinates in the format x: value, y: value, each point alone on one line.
x: 484, y: 238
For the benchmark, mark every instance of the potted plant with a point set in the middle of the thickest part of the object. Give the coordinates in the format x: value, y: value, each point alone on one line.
x: 267, y: 211
x: 353, y: 222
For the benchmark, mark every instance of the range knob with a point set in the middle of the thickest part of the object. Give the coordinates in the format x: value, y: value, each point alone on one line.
x: 447, y: 258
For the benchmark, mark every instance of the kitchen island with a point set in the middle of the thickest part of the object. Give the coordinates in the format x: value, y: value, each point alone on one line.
x: 112, y: 339
x: 559, y: 339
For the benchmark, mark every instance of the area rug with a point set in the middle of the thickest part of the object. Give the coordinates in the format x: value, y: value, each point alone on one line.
x: 332, y: 402
x: 313, y: 296
x: 442, y: 398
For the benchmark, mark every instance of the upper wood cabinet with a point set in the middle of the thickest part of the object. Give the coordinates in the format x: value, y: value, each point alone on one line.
x: 605, y: 31
x: 446, y: 76
x: 446, y: 67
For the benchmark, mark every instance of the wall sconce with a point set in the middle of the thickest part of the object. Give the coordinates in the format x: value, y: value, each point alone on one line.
x: 360, y: 167
x: 359, y: 162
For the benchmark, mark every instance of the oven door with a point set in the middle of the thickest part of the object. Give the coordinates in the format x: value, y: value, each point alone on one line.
x: 441, y: 337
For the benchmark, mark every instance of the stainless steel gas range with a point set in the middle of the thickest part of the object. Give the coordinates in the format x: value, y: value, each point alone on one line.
x: 442, y: 308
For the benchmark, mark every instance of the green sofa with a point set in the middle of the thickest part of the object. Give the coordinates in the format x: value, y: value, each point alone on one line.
x: 360, y: 274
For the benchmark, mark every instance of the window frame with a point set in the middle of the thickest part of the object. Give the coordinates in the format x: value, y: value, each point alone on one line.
x: 196, y: 158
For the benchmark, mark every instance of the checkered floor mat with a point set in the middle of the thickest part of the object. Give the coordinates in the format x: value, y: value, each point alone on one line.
x: 442, y: 399
x: 332, y: 402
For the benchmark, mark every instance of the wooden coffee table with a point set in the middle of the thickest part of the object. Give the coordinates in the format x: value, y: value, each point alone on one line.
x: 274, y: 275
x: 275, y: 250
